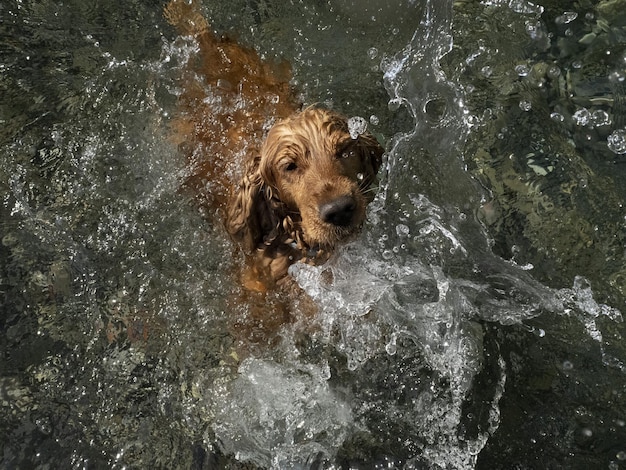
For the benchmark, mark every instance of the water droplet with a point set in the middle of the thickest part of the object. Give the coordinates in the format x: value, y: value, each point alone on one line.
x: 387, y: 255
x: 553, y: 71
x: 567, y: 365
x: 522, y: 70
x: 356, y: 126
x: 621, y: 455
x: 374, y: 120
x: 372, y: 53
x: 582, y: 117
x: 600, y: 118
x: 617, y: 141
x: 525, y: 105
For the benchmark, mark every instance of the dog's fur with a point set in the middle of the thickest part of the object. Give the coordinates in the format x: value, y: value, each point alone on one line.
x: 291, y: 185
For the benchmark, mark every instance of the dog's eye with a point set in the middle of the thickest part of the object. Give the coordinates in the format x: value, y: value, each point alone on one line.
x: 347, y: 153
x: 290, y: 166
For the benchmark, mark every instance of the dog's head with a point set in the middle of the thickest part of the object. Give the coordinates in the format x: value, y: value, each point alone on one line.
x: 311, y: 183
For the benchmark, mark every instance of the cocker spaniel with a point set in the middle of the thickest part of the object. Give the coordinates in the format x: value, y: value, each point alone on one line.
x: 291, y: 185
x: 304, y: 194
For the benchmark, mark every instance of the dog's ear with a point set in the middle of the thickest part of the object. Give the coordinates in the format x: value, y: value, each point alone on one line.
x: 251, y: 218
x: 371, y: 156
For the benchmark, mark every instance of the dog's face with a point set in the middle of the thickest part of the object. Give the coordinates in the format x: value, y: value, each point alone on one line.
x: 314, y: 175
x: 321, y: 174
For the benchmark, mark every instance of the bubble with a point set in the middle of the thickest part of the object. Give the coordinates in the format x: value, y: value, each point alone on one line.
x: 582, y: 117
x: 534, y: 30
x: 525, y: 105
x: 567, y: 365
x: 487, y: 71
x: 372, y: 53
x: 600, y: 118
x: 403, y: 230
x: 374, y: 121
x: 553, y: 71
x: 356, y: 126
x: 387, y: 255
x: 522, y: 70
x: 617, y: 141
x: 621, y: 455
x: 435, y: 108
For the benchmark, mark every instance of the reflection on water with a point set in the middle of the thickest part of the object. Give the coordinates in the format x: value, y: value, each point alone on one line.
x: 476, y: 322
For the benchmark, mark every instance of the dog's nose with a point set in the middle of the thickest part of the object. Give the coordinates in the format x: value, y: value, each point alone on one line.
x: 338, y: 211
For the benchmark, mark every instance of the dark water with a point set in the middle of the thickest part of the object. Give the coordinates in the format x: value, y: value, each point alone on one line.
x: 475, y: 324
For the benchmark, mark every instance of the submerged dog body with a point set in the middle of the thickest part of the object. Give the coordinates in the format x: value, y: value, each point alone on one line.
x: 288, y: 192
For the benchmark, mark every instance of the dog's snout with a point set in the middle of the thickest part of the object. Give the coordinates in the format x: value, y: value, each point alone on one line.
x: 339, y: 211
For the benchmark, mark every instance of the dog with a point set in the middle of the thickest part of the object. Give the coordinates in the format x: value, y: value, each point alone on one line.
x: 290, y: 184
x: 305, y: 193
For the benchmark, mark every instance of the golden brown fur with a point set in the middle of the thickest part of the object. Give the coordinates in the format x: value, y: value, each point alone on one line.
x: 290, y: 185
x: 306, y: 192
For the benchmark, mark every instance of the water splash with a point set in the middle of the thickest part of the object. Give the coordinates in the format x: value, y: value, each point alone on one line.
x: 278, y: 417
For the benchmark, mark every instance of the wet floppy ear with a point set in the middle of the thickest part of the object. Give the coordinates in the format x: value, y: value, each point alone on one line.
x: 250, y: 218
x: 371, y: 156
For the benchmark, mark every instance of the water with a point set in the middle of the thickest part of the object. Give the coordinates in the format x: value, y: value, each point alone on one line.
x: 476, y: 323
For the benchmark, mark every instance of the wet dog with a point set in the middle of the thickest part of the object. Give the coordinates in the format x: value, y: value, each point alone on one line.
x: 289, y: 184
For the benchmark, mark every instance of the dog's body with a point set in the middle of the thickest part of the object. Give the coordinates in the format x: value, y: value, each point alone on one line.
x: 290, y: 185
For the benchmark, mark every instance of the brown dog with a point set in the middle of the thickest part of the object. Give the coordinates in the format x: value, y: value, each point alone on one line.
x: 290, y: 185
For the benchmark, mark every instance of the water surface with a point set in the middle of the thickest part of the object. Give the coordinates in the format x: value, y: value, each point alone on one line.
x: 475, y: 323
